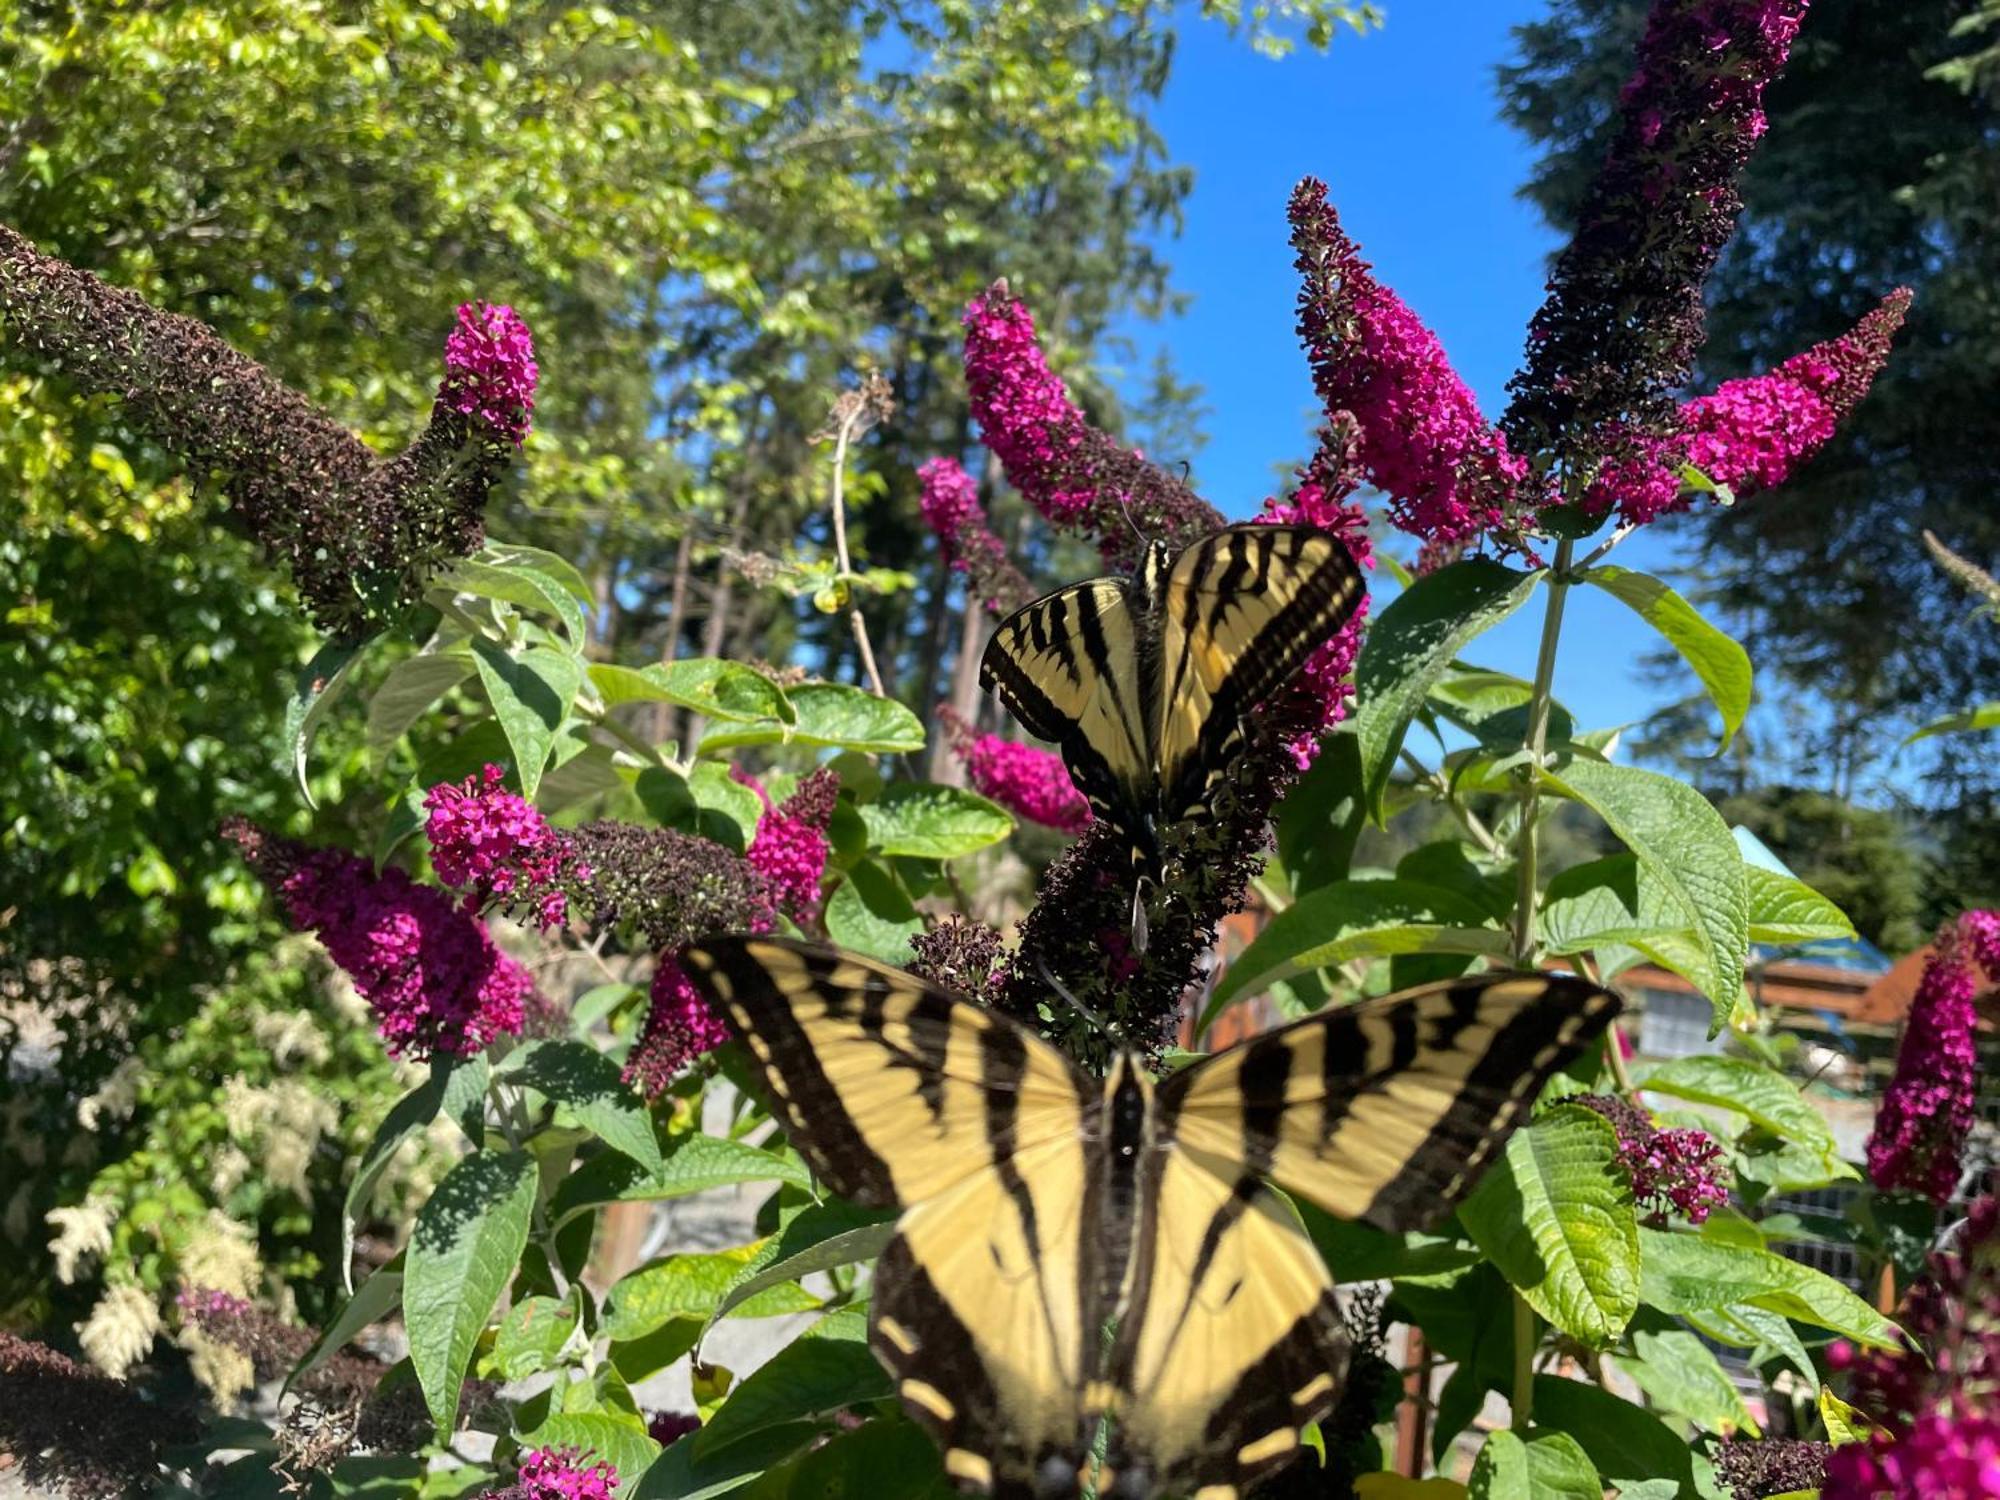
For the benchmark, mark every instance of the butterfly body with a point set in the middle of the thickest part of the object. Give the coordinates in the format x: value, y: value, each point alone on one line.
x: 1075, y: 1254
x: 1146, y: 683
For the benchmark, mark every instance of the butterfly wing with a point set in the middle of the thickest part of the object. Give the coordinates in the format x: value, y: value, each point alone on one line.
x: 1388, y: 1111
x: 1240, y: 613
x: 1232, y: 1341
x: 890, y: 1088
x: 1068, y: 668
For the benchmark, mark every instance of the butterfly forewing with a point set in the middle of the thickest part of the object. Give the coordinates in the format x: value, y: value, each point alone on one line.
x: 1388, y: 1111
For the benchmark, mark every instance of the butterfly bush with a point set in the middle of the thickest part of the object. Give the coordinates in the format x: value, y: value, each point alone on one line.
x: 1446, y: 471
x: 1937, y: 1401
x: 1750, y: 434
x: 1080, y: 479
x: 679, y: 1028
x: 1927, y: 1112
x: 789, y: 849
x: 1752, y: 1468
x: 428, y: 969
x: 78, y: 1432
x: 494, y: 845
x: 1025, y: 779
x: 559, y: 1474
x: 1678, y: 1170
x: 950, y: 506
x: 490, y: 370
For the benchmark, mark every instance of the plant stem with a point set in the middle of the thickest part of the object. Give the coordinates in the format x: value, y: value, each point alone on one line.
x: 841, y: 436
x: 1525, y: 947
x: 1523, y: 1399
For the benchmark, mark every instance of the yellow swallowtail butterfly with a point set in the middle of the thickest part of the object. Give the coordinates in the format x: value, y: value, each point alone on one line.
x: 1144, y: 683
x: 1073, y: 1252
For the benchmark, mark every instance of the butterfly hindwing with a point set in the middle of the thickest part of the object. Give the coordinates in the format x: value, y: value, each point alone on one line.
x: 889, y: 1086
x: 1387, y: 1111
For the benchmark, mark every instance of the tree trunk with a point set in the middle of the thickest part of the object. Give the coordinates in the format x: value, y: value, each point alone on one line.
x: 664, y: 715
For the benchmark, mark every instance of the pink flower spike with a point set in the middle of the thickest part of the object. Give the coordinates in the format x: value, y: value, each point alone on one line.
x: 790, y: 849
x: 679, y: 1028
x: 490, y: 371
x: 950, y: 507
x: 1927, y: 1111
x: 490, y: 843
x: 1025, y: 779
x: 559, y: 1474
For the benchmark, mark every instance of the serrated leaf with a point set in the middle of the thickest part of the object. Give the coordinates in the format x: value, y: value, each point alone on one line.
x: 1786, y: 911
x: 1679, y: 1374
x: 828, y: 1368
x: 1749, y: 1089
x: 589, y: 1084
x: 531, y: 696
x: 1555, y: 1214
x: 829, y: 715
x: 1353, y: 917
x: 690, y: 1164
x: 869, y: 913
x: 1411, y: 643
x: 1684, y: 1273
x: 1717, y: 659
x: 1683, y: 843
x: 1756, y: 1328
x: 463, y: 1250
x: 550, y: 564
x: 691, y: 1286
x: 407, y: 693
x: 924, y: 821
x: 317, y: 688
x: 1628, y: 1444
x: 621, y: 1442
x: 1552, y: 1466
x: 519, y: 584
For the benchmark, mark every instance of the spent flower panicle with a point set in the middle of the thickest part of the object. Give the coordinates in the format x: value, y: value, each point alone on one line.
x: 963, y: 955
x: 660, y: 887
x: 1623, y: 316
x: 1079, y: 478
x: 951, y: 508
x: 1754, y: 1468
x: 76, y: 1431
x: 1418, y: 434
x: 1678, y: 1170
x: 1918, y: 1142
x: 1025, y: 779
x: 429, y: 970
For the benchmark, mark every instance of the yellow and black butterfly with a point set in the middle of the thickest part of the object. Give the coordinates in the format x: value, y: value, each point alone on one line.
x: 1074, y: 1254
x: 1145, y: 683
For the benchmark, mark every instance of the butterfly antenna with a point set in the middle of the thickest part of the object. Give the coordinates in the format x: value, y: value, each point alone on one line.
x: 1049, y: 978
x: 1125, y: 510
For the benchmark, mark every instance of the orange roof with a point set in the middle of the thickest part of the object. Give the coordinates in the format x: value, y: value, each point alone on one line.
x: 1889, y: 997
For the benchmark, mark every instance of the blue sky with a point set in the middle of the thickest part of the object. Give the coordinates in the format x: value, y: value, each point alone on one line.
x: 1403, y: 125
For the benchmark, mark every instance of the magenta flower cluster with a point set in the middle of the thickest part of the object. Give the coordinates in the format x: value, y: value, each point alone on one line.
x: 493, y: 845
x: 1751, y: 434
x: 789, y: 849
x: 559, y: 1474
x: 950, y: 507
x: 679, y: 1028
x: 1025, y: 779
x: 490, y: 372
x: 1918, y: 1142
x: 429, y: 970
x: 1446, y: 470
x: 1677, y: 1170
x: 1938, y: 1402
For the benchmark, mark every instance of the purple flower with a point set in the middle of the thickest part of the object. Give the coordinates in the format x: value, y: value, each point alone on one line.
x: 1420, y: 438
x: 489, y: 365
x: 429, y: 970
x: 789, y: 848
x: 489, y: 842
x: 558, y: 1474
x: 1024, y: 779
x: 1079, y: 478
x: 950, y: 506
x: 1670, y: 1169
x: 1623, y: 316
x: 679, y: 1028
x: 1927, y: 1111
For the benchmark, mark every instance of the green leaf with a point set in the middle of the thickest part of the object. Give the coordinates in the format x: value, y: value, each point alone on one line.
x: 531, y: 696
x: 679, y: 1474
x: 1493, y: 707
x: 880, y: 1460
x: 1684, y: 1273
x: 1785, y: 911
x: 1321, y: 817
x: 1627, y: 1444
x: 1354, y: 917
x: 580, y: 1077
x: 519, y: 584
x: 621, y: 1442
x: 467, y: 1241
x: 1555, y: 1214
x: 1679, y: 1374
x: 869, y: 913
x: 691, y: 1163
x: 707, y: 801
x: 830, y: 715
x: 1718, y: 660
x: 550, y: 564
x: 828, y: 1368
x: 715, y: 689
x: 320, y: 683
x: 534, y: 1336
x: 1411, y: 643
x: 1552, y: 1466
x: 818, y: 1238
x: 691, y: 1286
x: 925, y: 821
x: 406, y: 1118
x: 1749, y: 1089
x: 407, y: 693
x: 1758, y: 1330
x: 1843, y: 1423
x: 1985, y: 716
x: 377, y: 1297
x: 465, y: 1086
x: 1682, y: 843
x: 1354, y: 1251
